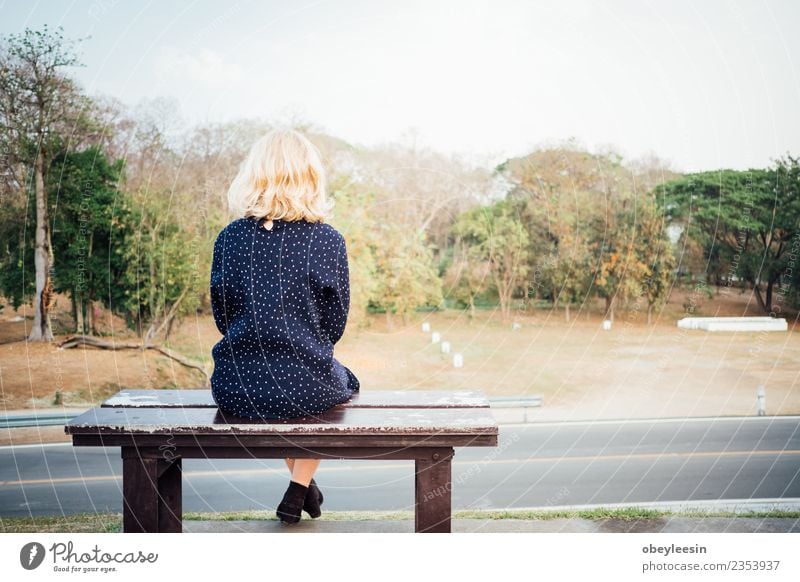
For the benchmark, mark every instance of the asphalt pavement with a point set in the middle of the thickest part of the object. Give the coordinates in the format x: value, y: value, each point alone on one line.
x: 535, y: 465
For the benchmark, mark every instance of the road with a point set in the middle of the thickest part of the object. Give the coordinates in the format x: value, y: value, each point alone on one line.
x: 542, y: 464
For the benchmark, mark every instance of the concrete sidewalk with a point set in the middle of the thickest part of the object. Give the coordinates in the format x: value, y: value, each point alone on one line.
x: 650, y: 525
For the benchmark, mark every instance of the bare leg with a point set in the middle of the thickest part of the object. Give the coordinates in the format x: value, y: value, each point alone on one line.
x: 290, y: 464
x: 303, y: 470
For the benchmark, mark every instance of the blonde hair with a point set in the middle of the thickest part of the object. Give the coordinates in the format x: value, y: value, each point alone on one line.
x: 281, y: 178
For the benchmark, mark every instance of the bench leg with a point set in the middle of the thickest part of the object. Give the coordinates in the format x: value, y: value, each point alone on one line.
x: 432, y: 490
x: 151, y: 493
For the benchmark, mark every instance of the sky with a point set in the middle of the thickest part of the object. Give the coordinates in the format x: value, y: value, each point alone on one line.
x: 704, y: 84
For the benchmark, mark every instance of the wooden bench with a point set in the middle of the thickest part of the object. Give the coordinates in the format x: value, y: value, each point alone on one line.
x: 156, y: 429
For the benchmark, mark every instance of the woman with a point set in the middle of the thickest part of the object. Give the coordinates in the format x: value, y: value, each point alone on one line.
x: 280, y: 296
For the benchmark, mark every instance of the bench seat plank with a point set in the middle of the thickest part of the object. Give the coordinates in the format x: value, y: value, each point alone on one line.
x: 343, y: 421
x: 372, y: 399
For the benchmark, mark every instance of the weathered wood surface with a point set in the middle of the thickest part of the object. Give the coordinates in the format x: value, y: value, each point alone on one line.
x: 432, y: 493
x: 374, y: 399
x: 151, y: 494
x: 362, y: 421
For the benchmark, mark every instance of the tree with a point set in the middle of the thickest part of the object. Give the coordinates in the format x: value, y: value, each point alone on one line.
x: 16, y: 249
x: 162, y: 278
x: 787, y: 172
x: 565, y: 269
x: 498, y: 237
x: 565, y: 194
x: 88, y: 235
x: 38, y: 107
x: 745, y: 221
x: 654, y: 255
x: 419, y: 188
x: 406, y: 277
x: 468, y: 276
x: 619, y: 270
x: 351, y: 216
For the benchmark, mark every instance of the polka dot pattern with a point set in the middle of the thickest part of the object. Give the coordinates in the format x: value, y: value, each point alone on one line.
x: 280, y: 298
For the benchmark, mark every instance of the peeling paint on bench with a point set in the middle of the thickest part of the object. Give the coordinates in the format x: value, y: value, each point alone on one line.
x: 352, y: 420
x: 172, y: 398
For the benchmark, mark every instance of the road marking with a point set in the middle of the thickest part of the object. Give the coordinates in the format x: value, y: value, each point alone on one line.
x: 374, y: 467
x: 543, y: 423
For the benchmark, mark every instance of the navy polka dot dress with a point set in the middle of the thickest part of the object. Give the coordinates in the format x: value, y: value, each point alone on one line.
x: 280, y: 298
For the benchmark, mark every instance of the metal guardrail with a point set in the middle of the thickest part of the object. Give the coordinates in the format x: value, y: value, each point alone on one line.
x: 35, y: 420
x: 515, y: 401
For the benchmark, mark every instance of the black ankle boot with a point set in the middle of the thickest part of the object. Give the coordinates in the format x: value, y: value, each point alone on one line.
x: 291, y: 505
x: 313, y: 500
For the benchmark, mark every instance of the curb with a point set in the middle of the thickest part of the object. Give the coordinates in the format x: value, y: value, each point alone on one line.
x: 738, y: 506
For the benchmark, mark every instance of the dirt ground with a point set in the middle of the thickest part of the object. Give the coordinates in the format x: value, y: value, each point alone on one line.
x: 582, y: 372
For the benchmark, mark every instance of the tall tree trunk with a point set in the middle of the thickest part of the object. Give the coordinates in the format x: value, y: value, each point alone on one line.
x: 77, y: 316
x: 507, y: 304
x: 84, y: 317
x: 759, y: 298
x: 649, y: 314
x: 44, y: 288
x: 566, y: 312
x: 80, y: 322
x: 768, y: 299
x: 610, y: 308
x: 90, y: 308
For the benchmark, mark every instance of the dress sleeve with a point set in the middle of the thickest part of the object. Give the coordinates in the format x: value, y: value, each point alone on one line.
x: 335, y: 297
x: 218, y: 286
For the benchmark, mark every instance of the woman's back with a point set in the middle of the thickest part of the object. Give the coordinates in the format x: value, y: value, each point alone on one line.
x: 280, y: 298
x: 280, y: 293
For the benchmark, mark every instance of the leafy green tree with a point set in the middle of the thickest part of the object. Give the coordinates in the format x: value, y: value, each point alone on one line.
x: 654, y: 255
x: 566, y: 268
x: 564, y: 195
x: 745, y: 221
x: 162, y: 278
x: 17, y: 217
x: 405, y: 273
x: 468, y: 276
x: 88, y: 235
x: 351, y: 216
x: 40, y: 111
x: 498, y: 237
x: 787, y: 172
x: 617, y: 266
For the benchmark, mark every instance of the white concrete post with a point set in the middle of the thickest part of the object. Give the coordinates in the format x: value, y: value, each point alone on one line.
x: 761, y: 401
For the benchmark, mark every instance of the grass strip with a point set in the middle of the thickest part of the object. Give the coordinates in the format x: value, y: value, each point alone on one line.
x: 112, y: 522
